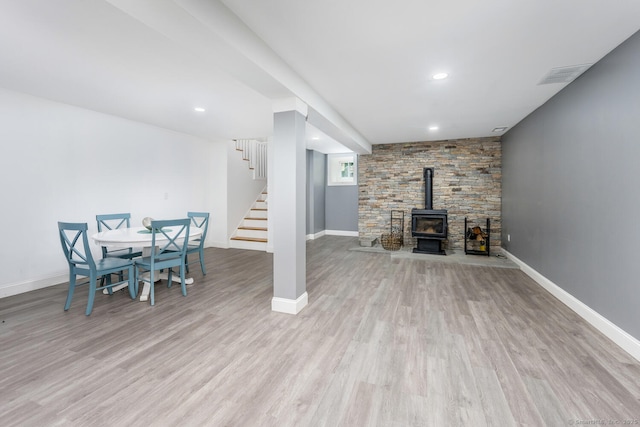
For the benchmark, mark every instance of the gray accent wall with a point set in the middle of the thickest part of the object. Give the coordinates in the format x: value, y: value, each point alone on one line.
x: 333, y: 208
x: 342, y: 208
x: 316, y: 182
x: 571, y: 188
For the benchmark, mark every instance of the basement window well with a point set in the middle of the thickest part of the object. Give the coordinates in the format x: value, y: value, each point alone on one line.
x: 342, y: 169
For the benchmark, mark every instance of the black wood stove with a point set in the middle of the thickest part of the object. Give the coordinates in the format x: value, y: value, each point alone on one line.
x: 429, y: 225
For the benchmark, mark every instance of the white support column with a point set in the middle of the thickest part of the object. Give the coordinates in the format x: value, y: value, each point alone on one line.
x: 287, y: 205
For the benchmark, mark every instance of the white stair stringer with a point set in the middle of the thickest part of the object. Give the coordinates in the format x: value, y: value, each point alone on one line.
x: 252, y: 232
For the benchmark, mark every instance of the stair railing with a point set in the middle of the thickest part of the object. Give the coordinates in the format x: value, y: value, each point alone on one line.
x: 255, y: 152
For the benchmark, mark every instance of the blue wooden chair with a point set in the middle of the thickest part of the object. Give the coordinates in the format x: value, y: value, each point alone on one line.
x: 168, y: 249
x: 113, y: 222
x: 75, y: 245
x: 200, y: 220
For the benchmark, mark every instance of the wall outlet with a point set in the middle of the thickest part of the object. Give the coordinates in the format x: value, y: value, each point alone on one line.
x: 508, y: 237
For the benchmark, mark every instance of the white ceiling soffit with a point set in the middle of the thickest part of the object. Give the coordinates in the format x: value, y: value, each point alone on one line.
x: 319, y: 141
x: 219, y: 35
x: 210, y: 43
x: 320, y: 122
x: 217, y: 17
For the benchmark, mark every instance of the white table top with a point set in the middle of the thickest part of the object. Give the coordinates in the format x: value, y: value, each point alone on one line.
x: 136, y: 237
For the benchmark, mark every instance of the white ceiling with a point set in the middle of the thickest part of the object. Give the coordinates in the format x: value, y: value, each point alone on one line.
x: 363, y: 65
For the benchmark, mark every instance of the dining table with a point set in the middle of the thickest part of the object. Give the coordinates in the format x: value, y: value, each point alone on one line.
x: 141, y: 237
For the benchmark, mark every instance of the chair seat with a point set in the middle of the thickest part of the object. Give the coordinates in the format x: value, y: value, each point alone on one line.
x: 191, y: 248
x: 146, y: 262
x: 126, y: 253
x: 112, y: 263
x: 106, y: 266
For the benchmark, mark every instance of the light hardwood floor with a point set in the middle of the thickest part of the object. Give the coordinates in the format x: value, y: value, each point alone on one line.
x: 384, y: 341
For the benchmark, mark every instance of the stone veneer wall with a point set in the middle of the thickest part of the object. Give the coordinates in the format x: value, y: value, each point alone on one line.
x: 466, y: 182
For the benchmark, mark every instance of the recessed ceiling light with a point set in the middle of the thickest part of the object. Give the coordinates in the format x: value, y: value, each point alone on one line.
x: 316, y: 138
x: 500, y: 129
x: 199, y: 109
x: 440, y: 76
x: 433, y: 128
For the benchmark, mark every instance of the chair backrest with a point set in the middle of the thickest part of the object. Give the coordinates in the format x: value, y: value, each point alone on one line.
x: 75, y: 244
x: 173, y: 235
x: 113, y: 221
x: 200, y: 220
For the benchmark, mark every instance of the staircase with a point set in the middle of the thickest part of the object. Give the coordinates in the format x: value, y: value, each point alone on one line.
x: 252, y: 233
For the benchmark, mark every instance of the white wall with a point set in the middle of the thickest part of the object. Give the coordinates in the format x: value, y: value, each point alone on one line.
x: 217, y: 193
x: 62, y: 163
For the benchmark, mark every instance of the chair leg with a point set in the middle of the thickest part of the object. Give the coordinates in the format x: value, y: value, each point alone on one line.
x: 183, y: 285
x: 138, y: 280
x: 72, y: 287
x: 133, y: 288
x: 152, y: 287
x: 135, y: 280
x: 169, y: 277
x: 92, y: 293
x: 204, y: 270
x: 186, y: 262
x: 107, y: 278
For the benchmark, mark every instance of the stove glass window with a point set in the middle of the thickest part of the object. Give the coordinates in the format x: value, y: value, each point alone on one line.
x: 429, y: 225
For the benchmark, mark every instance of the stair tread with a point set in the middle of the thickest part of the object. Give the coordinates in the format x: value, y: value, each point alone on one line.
x: 250, y: 239
x: 255, y: 219
x: 244, y: 227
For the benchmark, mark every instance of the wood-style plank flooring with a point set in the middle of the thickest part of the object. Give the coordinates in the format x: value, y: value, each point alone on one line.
x: 384, y: 341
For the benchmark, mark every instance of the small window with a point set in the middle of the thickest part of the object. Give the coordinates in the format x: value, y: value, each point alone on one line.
x: 342, y: 169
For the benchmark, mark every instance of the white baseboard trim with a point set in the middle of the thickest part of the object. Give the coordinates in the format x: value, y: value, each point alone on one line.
x: 341, y: 233
x: 32, y: 285
x: 316, y: 236
x: 289, y: 306
x: 221, y: 245
x: 332, y: 233
x: 628, y: 343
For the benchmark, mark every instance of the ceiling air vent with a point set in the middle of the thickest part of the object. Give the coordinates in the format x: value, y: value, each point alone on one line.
x: 564, y: 74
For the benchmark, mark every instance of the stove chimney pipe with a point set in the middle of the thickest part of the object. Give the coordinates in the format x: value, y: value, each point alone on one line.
x: 428, y: 188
